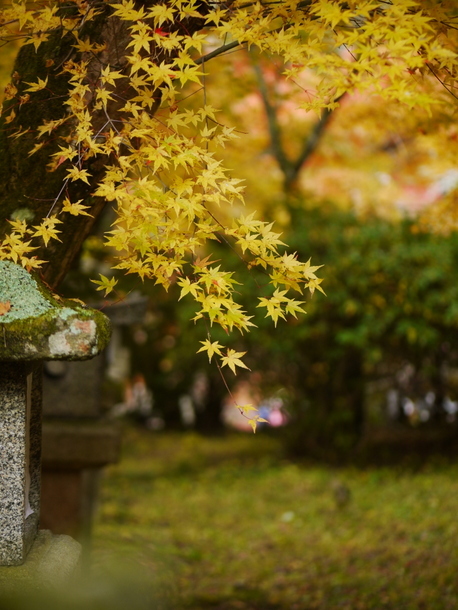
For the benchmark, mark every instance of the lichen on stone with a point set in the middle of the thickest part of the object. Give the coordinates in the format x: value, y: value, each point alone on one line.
x: 66, y: 312
x: 19, y: 288
x: 42, y: 326
x: 22, y: 214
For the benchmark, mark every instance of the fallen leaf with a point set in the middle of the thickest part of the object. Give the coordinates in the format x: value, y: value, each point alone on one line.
x: 4, y: 307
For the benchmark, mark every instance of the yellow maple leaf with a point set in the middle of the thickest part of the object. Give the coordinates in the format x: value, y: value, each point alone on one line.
x: 10, y: 118
x: 210, y: 348
x: 108, y: 76
x: 47, y: 229
x: 188, y: 287
x: 41, y: 84
x: 232, y: 360
x: 105, y: 284
x: 31, y: 263
x: 75, y: 173
x: 75, y: 209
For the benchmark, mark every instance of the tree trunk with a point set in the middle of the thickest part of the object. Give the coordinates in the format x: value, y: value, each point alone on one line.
x: 28, y: 190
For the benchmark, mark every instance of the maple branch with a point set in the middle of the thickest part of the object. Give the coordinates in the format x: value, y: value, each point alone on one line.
x: 314, y: 137
x: 436, y: 76
x: 290, y: 168
x: 274, y: 128
x: 236, y: 43
x: 218, y: 51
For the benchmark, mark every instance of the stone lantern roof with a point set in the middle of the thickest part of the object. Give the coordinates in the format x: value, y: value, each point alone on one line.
x: 38, y: 325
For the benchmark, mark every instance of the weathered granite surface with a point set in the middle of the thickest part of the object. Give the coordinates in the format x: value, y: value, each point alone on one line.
x: 20, y: 463
x: 35, y: 325
x: 41, y: 326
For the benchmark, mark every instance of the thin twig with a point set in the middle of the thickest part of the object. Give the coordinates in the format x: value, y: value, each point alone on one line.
x: 219, y: 51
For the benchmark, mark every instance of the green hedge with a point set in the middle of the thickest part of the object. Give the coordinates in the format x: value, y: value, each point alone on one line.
x: 392, y: 298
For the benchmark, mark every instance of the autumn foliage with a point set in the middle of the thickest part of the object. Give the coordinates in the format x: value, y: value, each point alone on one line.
x: 127, y: 133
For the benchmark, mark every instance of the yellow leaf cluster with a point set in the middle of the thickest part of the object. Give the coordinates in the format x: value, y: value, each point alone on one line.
x: 162, y: 172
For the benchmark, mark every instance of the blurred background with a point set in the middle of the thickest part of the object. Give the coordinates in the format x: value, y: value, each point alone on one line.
x: 367, y: 193
x: 347, y: 497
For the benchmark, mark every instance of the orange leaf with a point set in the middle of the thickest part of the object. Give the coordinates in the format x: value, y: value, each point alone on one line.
x: 4, y: 307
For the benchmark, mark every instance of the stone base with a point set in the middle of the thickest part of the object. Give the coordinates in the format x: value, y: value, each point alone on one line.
x: 53, y: 561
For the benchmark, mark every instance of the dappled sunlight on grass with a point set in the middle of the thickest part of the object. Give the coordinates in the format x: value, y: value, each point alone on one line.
x: 227, y: 523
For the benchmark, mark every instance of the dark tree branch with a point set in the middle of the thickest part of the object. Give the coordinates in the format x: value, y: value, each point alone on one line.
x: 274, y: 128
x: 233, y: 45
x: 219, y: 51
x: 311, y: 143
x: 289, y: 167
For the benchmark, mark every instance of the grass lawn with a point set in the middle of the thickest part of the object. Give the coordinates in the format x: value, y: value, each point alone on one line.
x: 226, y: 523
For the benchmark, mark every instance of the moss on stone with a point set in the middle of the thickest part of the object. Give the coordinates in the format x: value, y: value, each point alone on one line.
x: 41, y: 326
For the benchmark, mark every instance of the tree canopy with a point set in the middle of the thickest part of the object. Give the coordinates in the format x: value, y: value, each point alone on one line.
x: 108, y: 103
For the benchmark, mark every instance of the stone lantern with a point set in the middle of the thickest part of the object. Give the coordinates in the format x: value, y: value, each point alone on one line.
x: 35, y: 326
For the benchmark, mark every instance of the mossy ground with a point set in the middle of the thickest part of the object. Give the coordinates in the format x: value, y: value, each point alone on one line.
x: 226, y: 523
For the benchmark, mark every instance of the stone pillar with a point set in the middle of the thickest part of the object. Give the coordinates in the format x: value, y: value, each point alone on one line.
x: 35, y: 326
x: 20, y: 446
x: 77, y: 441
